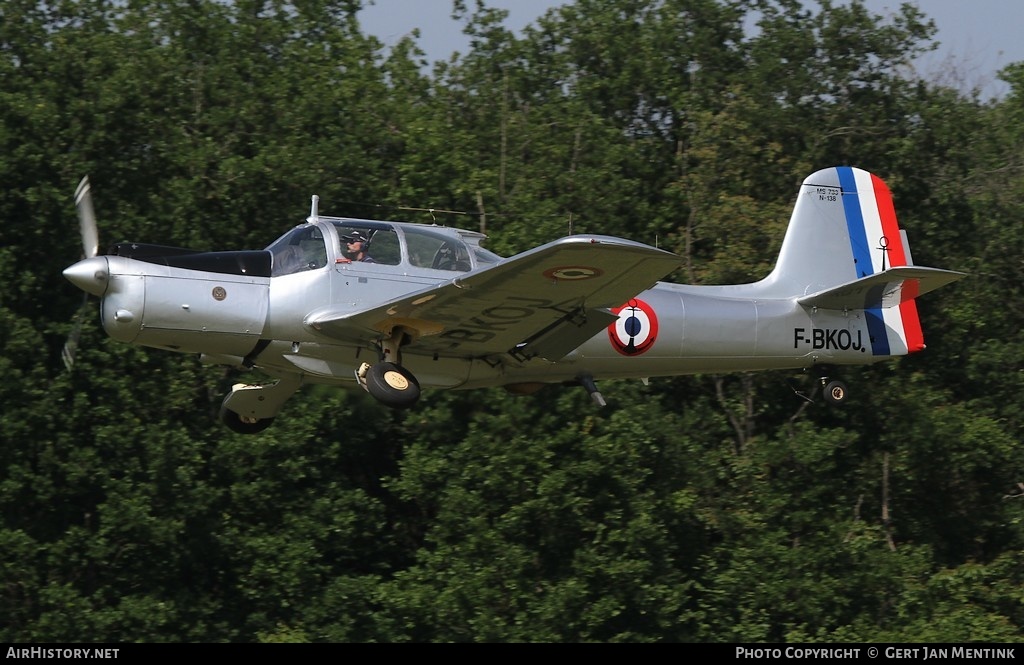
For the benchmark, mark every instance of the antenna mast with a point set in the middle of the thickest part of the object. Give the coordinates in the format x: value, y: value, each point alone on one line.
x: 314, y: 210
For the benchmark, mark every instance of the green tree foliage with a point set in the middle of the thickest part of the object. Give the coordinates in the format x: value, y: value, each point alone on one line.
x: 700, y: 509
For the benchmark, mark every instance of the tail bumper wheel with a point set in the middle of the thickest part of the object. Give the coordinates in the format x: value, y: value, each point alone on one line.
x: 835, y: 392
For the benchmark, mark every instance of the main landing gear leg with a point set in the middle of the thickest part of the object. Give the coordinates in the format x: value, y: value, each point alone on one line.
x: 587, y: 381
x: 386, y: 380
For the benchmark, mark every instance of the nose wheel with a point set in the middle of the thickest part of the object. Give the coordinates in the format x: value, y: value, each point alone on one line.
x: 250, y: 409
x: 243, y: 424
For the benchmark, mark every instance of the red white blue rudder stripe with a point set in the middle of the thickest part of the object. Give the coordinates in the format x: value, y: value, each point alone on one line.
x: 877, y: 244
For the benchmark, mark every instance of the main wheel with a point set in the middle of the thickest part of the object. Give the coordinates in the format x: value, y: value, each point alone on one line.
x: 241, y: 424
x: 835, y: 392
x: 392, y: 385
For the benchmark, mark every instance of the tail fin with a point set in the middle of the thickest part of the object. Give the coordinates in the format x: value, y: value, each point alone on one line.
x: 845, y: 250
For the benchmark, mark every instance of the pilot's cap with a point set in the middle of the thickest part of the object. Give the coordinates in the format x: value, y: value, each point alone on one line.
x: 355, y: 236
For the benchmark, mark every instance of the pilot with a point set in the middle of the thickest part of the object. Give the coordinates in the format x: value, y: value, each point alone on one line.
x: 355, y: 248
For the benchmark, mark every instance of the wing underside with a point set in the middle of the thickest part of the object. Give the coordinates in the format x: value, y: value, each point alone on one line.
x: 543, y: 302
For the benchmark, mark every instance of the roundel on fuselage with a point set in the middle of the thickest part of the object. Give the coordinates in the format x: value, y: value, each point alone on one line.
x: 636, y: 329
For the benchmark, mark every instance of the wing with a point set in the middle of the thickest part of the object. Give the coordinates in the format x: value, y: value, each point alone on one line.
x: 543, y: 302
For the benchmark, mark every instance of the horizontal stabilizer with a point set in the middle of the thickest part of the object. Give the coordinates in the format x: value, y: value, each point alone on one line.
x: 882, y: 290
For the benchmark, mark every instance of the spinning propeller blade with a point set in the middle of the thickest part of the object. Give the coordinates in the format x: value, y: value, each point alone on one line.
x: 71, y: 346
x: 87, y: 219
x: 90, y: 248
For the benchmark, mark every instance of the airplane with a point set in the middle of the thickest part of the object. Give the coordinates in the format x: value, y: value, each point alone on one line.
x: 395, y: 307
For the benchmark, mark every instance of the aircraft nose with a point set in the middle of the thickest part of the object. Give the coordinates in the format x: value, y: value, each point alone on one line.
x: 91, y: 275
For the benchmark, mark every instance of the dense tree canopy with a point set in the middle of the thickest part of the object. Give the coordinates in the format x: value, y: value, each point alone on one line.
x: 699, y: 509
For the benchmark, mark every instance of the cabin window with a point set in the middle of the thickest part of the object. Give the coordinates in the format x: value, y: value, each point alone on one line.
x: 485, y: 255
x: 384, y: 247
x: 437, y: 250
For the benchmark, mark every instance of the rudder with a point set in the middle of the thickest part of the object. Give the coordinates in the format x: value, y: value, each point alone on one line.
x: 844, y: 229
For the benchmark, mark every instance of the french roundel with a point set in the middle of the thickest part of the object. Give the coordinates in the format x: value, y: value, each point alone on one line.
x: 636, y: 329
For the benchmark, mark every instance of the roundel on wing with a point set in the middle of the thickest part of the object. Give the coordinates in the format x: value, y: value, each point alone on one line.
x: 636, y: 329
x: 573, y: 273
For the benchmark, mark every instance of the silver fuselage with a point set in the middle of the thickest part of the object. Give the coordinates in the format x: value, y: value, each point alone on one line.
x: 689, y: 329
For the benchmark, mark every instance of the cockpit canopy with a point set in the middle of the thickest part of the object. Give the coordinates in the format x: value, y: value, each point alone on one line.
x: 313, y: 246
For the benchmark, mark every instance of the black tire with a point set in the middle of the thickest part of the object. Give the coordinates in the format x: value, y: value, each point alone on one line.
x: 237, y: 423
x: 392, y: 385
x: 835, y: 392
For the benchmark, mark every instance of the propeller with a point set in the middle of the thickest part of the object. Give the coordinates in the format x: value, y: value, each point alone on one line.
x: 71, y: 345
x: 90, y: 248
x: 87, y: 219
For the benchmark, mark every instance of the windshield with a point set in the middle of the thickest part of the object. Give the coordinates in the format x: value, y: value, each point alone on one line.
x: 299, y: 250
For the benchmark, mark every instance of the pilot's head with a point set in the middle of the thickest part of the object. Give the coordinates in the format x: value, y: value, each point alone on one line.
x: 354, y: 244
